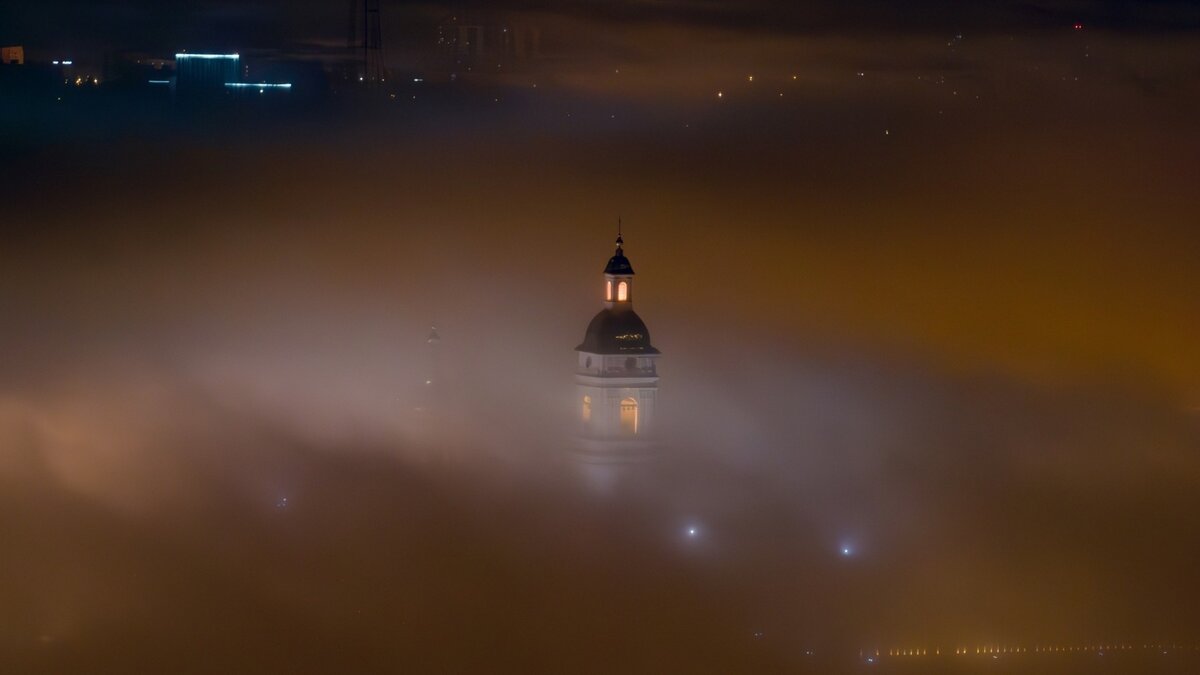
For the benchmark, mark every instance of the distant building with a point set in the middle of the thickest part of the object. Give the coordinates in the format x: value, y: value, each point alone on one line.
x: 256, y: 88
x: 617, y: 374
x: 471, y: 43
x: 206, y: 73
x: 211, y: 77
x: 133, y: 68
x: 38, y: 80
x: 12, y: 56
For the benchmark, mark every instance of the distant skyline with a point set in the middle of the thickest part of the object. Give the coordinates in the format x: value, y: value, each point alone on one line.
x: 410, y: 26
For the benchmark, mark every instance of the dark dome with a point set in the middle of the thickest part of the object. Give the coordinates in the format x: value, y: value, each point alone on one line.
x: 618, y: 264
x: 617, y: 331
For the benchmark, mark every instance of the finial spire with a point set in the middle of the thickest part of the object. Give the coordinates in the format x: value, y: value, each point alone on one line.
x: 620, y: 241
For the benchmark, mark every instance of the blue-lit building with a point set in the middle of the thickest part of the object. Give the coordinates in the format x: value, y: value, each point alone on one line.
x: 256, y: 88
x: 206, y: 73
x: 215, y: 76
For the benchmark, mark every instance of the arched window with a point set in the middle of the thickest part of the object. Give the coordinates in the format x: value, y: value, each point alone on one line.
x: 622, y: 292
x: 587, y: 409
x: 629, y: 417
x: 608, y: 290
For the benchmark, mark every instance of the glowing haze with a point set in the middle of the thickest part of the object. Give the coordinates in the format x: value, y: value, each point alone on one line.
x: 928, y: 307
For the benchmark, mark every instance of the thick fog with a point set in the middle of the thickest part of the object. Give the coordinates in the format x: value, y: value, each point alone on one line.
x: 934, y: 389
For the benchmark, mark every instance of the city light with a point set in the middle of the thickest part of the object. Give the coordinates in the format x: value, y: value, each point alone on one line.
x: 207, y: 56
x: 995, y: 651
x: 261, y: 85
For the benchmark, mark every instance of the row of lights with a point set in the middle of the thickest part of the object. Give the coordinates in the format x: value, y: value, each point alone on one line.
x: 232, y: 57
x: 992, y: 650
x: 260, y: 85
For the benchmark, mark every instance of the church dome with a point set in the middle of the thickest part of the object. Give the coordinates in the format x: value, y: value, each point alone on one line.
x: 617, y: 331
x: 618, y: 264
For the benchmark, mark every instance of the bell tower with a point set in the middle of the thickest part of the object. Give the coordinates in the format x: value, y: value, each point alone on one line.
x: 617, y: 374
x: 618, y: 278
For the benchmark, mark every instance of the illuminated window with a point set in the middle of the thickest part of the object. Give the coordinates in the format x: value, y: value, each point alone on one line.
x: 608, y: 291
x: 629, y: 417
x: 622, y: 292
x: 587, y: 409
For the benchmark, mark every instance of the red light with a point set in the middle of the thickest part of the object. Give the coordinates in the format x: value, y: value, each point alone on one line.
x: 1078, y: 26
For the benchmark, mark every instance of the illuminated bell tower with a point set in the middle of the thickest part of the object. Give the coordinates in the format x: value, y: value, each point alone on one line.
x: 617, y: 375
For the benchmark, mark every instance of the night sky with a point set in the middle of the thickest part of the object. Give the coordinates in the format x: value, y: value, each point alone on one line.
x: 924, y: 275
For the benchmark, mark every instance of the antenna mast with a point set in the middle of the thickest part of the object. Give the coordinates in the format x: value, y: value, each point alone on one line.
x: 369, y: 40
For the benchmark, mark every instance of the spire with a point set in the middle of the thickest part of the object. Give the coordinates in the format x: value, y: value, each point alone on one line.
x: 619, y: 264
